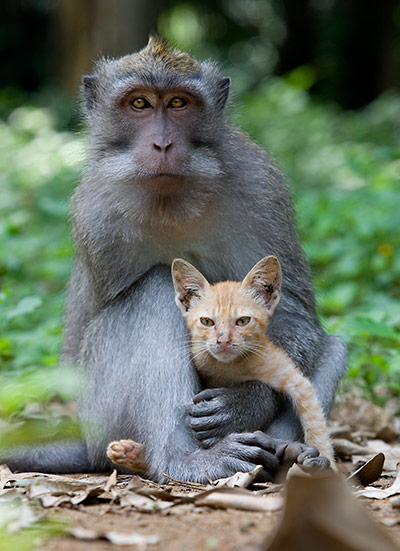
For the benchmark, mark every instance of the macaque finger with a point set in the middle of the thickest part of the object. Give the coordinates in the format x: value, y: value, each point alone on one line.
x: 207, y: 394
x: 205, y: 424
x: 204, y: 409
x: 315, y: 464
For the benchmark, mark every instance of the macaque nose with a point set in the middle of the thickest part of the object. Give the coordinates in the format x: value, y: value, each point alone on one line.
x: 162, y: 145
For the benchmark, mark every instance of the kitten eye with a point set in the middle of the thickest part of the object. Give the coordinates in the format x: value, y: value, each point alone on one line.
x: 207, y: 322
x: 140, y: 103
x: 243, y: 321
x: 177, y: 103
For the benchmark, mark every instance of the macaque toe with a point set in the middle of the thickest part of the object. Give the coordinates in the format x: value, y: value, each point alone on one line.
x: 127, y: 453
x: 315, y: 464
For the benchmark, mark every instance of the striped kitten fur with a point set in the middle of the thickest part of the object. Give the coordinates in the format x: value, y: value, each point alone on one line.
x: 228, y: 322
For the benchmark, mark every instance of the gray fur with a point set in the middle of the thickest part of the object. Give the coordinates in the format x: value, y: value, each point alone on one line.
x: 121, y: 323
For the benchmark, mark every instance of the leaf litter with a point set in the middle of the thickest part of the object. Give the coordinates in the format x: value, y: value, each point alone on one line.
x: 232, y: 512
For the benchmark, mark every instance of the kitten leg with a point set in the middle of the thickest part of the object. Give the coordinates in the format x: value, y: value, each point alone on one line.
x: 127, y: 453
x: 284, y: 376
x: 311, y: 415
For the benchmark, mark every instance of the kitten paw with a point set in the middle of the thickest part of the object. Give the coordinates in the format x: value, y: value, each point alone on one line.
x: 127, y: 453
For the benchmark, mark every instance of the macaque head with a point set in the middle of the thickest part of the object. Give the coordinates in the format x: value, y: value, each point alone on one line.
x: 156, y: 121
x: 227, y: 320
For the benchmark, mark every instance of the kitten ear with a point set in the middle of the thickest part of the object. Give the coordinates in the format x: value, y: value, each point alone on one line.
x: 189, y: 284
x: 264, y: 282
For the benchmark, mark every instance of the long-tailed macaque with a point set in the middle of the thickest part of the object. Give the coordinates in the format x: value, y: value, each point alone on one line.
x: 168, y: 177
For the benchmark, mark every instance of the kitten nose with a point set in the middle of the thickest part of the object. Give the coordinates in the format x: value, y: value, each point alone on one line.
x: 223, y: 340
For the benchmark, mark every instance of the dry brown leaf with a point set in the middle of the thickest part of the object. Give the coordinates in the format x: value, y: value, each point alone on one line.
x: 264, y: 488
x: 81, y: 479
x: 238, y: 498
x: 378, y: 493
x: 369, y: 471
x: 321, y: 514
x: 364, y: 416
x: 186, y: 484
x: 378, y: 446
x: 392, y: 454
x: 5, y: 475
x: 345, y: 448
x: 390, y: 522
x: 117, y: 538
x: 53, y: 492
x: 238, y: 480
x: 84, y: 533
x: 395, y: 502
x: 112, y: 481
x: 142, y: 503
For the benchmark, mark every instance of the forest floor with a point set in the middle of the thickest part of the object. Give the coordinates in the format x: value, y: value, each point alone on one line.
x: 111, y: 513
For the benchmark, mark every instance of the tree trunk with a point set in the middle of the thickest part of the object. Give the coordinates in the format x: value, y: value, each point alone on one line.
x: 88, y: 29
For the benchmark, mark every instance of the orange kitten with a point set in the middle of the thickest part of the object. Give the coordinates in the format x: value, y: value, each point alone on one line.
x: 228, y: 322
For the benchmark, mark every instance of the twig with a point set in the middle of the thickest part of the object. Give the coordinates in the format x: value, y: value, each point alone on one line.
x: 193, y: 485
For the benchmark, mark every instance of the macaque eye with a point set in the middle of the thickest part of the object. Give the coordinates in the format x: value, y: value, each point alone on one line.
x: 176, y: 103
x: 243, y: 321
x: 140, y: 103
x: 207, y: 322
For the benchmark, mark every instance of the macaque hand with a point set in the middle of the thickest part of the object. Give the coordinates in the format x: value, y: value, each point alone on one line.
x: 217, y: 412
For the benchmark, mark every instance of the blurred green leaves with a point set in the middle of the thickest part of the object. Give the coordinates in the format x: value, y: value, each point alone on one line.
x: 343, y: 168
x: 344, y: 171
x: 38, y: 168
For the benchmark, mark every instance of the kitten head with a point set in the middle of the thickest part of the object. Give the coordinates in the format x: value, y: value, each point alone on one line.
x: 227, y: 320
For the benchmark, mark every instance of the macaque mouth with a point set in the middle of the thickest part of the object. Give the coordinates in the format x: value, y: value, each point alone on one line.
x: 163, y: 183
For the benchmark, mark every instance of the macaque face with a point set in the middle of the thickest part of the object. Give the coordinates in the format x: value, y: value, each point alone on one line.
x: 161, y: 122
x: 156, y: 121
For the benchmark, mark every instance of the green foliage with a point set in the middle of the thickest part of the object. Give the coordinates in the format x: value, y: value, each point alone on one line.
x: 38, y: 167
x: 16, y: 513
x: 344, y: 170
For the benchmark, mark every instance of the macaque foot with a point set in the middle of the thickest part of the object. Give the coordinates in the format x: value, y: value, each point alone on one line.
x: 306, y: 457
x: 127, y: 453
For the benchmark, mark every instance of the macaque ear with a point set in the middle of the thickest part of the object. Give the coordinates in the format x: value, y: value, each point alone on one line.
x: 264, y: 282
x: 189, y: 284
x: 223, y: 91
x: 89, y: 83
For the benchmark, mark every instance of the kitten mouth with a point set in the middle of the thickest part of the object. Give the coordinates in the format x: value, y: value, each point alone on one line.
x: 227, y: 355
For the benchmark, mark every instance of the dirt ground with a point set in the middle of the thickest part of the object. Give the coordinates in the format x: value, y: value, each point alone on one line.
x: 124, y: 512
x: 185, y: 527
x: 202, y: 530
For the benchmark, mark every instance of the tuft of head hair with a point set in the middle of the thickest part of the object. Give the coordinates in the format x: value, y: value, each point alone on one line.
x: 157, y: 64
x: 159, y: 55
